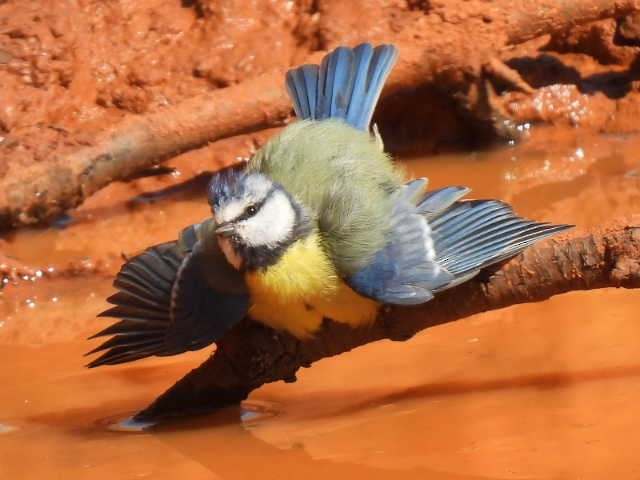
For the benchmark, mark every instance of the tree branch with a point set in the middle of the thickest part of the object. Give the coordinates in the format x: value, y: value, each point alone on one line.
x: 251, y: 355
x: 47, y: 189
x: 529, y: 20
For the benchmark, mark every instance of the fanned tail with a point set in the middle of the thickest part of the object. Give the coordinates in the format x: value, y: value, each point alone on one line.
x: 345, y: 85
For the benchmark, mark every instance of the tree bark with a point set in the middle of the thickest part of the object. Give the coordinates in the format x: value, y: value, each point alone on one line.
x: 251, y: 355
x: 47, y: 189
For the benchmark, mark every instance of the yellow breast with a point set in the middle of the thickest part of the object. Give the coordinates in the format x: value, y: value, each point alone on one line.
x: 303, y: 288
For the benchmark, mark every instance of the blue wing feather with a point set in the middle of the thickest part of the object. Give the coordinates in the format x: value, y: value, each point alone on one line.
x: 437, y: 242
x: 167, y: 303
x: 402, y: 273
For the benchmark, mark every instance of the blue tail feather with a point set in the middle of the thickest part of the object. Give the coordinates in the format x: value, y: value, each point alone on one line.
x: 302, y: 84
x: 346, y: 85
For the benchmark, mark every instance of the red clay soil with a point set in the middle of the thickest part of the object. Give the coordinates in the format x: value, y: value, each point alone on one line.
x: 77, y: 73
x: 69, y: 70
x: 72, y: 72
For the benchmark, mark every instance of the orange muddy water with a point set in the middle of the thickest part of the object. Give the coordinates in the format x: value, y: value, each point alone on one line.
x: 548, y: 390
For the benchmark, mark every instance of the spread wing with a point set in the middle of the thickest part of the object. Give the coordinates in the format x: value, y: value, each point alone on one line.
x: 173, y: 297
x: 437, y: 242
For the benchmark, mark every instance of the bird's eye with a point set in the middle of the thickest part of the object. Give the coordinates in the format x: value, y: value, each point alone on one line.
x: 252, y: 210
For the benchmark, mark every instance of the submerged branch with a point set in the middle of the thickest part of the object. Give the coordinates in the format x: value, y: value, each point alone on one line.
x: 49, y: 188
x: 251, y: 355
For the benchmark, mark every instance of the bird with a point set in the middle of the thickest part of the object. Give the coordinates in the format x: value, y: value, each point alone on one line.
x: 319, y: 224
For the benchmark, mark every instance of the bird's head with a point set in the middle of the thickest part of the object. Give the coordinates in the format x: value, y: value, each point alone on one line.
x: 256, y: 218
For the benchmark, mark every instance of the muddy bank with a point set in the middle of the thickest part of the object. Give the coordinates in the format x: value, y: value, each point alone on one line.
x: 77, y: 73
x: 68, y: 65
x: 72, y: 69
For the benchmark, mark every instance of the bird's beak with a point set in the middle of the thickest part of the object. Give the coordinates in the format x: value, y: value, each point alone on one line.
x: 224, y: 229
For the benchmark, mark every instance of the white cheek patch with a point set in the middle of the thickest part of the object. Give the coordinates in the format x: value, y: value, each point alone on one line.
x: 272, y: 224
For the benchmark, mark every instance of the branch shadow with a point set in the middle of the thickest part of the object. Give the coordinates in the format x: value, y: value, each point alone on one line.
x: 546, y: 69
x: 538, y: 381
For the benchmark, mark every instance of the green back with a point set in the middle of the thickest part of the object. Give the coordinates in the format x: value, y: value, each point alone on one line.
x: 342, y: 178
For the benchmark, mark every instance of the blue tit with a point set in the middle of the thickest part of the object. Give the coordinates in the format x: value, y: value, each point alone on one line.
x: 319, y: 224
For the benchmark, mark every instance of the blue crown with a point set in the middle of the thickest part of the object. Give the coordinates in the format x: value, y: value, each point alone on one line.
x: 224, y: 186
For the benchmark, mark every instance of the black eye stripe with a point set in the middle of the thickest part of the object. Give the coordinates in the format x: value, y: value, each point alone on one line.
x: 254, y: 208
